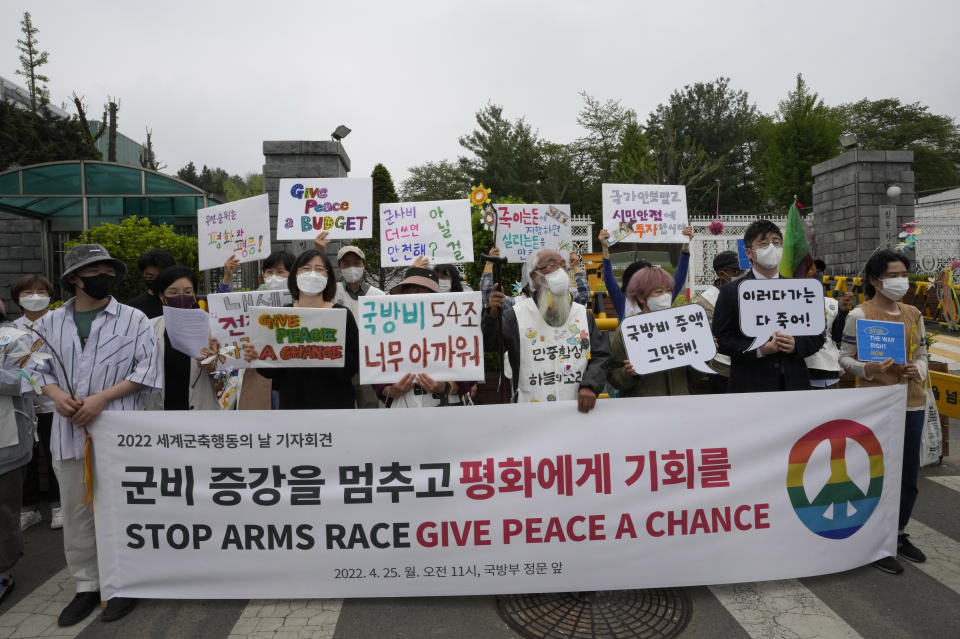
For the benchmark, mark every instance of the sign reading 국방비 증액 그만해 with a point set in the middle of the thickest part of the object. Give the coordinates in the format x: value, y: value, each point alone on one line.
x: 670, y: 338
x: 655, y: 213
x: 230, y: 321
x: 523, y: 229
x: 339, y: 206
x: 238, y: 229
x: 793, y: 307
x: 304, y: 337
x: 441, y: 231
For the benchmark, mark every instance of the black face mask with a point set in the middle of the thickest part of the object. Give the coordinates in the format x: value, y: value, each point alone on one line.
x: 97, y: 286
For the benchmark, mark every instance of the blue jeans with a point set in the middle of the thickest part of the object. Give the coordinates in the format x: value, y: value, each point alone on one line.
x: 912, y: 432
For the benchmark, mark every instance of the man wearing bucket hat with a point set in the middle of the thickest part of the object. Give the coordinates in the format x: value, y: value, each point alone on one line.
x: 108, y: 348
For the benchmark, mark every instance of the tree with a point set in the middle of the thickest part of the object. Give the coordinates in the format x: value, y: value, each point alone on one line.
x: 85, y: 128
x: 679, y: 159
x: 635, y: 163
x: 383, y: 193
x: 443, y: 180
x: 189, y: 174
x: 31, y: 59
x: 112, y: 107
x: 148, y: 158
x: 28, y: 138
x: 505, y: 154
x: 238, y: 188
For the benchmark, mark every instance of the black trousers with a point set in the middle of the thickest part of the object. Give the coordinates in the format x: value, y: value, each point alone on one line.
x: 41, y: 457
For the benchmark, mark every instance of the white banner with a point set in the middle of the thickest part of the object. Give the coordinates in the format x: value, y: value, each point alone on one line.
x: 671, y: 338
x: 340, y: 206
x: 654, y: 213
x: 230, y: 320
x: 523, y: 229
x: 793, y: 307
x: 301, y: 337
x: 434, y: 333
x: 645, y: 492
x: 240, y: 229
x: 441, y: 231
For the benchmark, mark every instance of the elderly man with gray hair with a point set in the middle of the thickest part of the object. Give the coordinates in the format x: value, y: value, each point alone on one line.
x: 555, y: 349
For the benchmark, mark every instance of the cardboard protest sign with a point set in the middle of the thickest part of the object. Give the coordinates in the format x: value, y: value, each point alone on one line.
x: 876, y: 341
x: 671, y: 338
x: 440, y: 230
x: 523, y: 229
x: 654, y: 213
x: 240, y: 229
x: 435, y: 333
x: 340, y: 206
x: 794, y: 307
x: 230, y: 320
x: 302, y: 337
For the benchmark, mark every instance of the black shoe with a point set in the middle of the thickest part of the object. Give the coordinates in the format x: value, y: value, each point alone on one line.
x: 77, y: 610
x: 118, y: 607
x: 6, y: 586
x: 908, y: 551
x: 889, y: 565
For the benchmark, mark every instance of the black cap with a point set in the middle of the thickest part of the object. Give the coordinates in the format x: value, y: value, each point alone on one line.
x: 726, y: 259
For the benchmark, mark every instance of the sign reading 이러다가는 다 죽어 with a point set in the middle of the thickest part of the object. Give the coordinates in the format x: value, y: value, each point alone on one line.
x: 339, y: 206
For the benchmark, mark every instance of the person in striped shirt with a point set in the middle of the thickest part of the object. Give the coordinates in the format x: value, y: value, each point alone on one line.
x: 109, y: 360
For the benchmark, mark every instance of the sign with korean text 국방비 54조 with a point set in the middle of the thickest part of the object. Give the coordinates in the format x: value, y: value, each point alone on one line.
x: 876, y: 341
x: 523, y: 229
x: 645, y: 212
x: 496, y: 499
x: 238, y: 229
x: 440, y: 231
x: 230, y: 321
x: 340, y: 206
x: 793, y: 307
x: 436, y: 333
x: 667, y: 339
x: 303, y: 337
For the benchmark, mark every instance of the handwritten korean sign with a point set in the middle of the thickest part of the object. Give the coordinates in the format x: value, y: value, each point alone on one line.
x: 523, y: 229
x: 439, y: 230
x: 653, y: 213
x: 794, y: 307
x: 876, y: 341
x: 434, y: 333
x: 340, y: 206
x: 302, y: 337
x: 240, y: 229
x: 667, y: 339
x: 230, y: 319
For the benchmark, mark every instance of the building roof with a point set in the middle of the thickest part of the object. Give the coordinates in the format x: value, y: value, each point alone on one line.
x: 943, y: 196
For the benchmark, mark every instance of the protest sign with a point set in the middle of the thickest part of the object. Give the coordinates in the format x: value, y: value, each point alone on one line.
x: 654, y: 213
x: 436, y: 333
x: 187, y: 328
x: 340, y: 206
x: 793, y: 307
x: 441, y: 231
x: 230, y: 320
x: 239, y: 229
x: 876, y: 341
x: 742, y: 255
x: 523, y: 229
x: 302, y: 337
x: 503, y: 499
x: 671, y: 338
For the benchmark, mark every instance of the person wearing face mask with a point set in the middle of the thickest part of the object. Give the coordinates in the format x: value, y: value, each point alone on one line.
x: 312, y: 285
x: 107, y: 349
x: 150, y: 264
x: 448, y: 278
x: 549, y: 322
x: 276, y: 270
x: 33, y: 294
x: 187, y: 384
x: 885, y: 282
x: 779, y: 364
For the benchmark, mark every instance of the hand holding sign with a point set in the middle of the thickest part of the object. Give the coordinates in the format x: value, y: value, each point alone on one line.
x: 662, y: 340
x: 780, y: 309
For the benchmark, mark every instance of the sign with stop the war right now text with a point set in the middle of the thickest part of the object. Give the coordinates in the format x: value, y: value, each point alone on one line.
x: 792, y: 307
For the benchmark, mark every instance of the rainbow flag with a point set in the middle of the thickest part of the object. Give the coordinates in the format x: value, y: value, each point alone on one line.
x: 797, y: 260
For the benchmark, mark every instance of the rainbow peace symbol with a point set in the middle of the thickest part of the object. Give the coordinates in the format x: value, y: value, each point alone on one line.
x: 840, y: 508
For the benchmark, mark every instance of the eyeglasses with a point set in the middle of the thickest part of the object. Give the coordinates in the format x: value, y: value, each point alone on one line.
x: 549, y: 267
x: 765, y: 244
x: 306, y: 268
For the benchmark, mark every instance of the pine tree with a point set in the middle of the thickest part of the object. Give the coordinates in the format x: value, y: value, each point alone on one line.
x: 383, y: 193
x: 30, y: 62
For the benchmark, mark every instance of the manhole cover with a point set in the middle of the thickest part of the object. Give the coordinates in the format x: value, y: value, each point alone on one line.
x: 657, y: 613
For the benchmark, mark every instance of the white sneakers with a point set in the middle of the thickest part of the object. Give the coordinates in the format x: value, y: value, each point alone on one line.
x: 29, y: 518
x: 56, y: 518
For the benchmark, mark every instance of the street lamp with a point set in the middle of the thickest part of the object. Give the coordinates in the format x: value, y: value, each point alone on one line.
x: 340, y: 132
x: 893, y: 191
x: 848, y: 141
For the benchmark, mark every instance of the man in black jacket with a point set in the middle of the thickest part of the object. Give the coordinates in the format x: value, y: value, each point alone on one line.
x: 777, y: 365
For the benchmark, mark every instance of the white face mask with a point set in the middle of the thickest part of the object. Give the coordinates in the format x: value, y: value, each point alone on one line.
x: 311, y: 283
x: 558, y: 281
x: 445, y: 285
x: 770, y: 256
x: 660, y: 302
x: 34, y: 302
x: 352, y: 274
x: 895, y: 288
x: 275, y: 282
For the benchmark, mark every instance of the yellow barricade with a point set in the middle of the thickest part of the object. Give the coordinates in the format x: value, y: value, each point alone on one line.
x: 946, y: 389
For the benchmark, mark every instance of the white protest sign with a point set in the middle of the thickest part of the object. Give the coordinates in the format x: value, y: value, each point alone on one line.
x: 655, y: 213
x: 671, y: 338
x: 523, y: 229
x: 302, y: 337
x: 340, y: 206
x: 794, y: 307
x: 187, y: 328
x: 441, y: 231
x: 240, y: 229
x: 434, y: 333
x: 230, y: 320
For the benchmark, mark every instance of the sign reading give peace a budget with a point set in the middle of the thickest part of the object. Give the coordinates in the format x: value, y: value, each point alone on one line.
x: 304, y: 337
x: 793, y: 307
x: 523, y: 229
x: 671, y: 338
x: 645, y: 212
x: 876, y: 341
x: 238, y: 229
x: 440, y: 231
x: 340, y: 206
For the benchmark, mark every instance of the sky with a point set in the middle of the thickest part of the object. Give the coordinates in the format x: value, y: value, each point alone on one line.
x: 214, y: 79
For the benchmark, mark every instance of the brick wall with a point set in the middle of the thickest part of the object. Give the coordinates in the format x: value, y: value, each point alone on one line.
x: 20, y: 253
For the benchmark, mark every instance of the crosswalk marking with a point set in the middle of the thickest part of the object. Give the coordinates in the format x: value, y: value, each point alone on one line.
x: 782, y: 610
x: 270, y: 618
x: 36, y: 614
x: 950, y: 481
x: 943, y: 554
